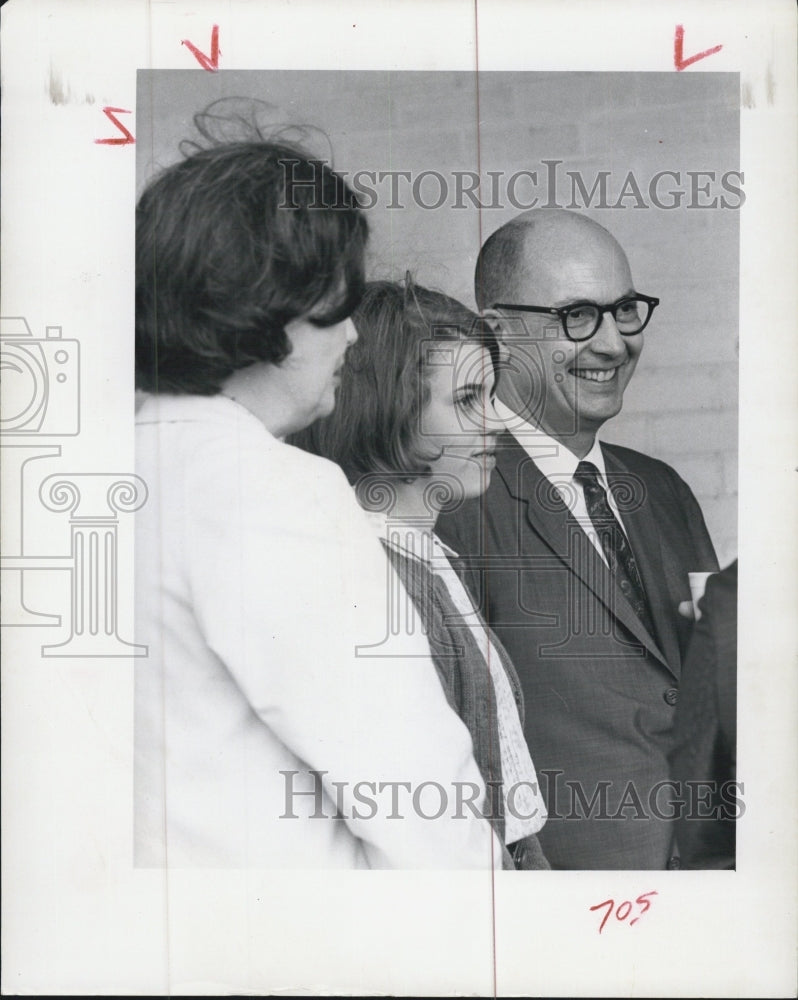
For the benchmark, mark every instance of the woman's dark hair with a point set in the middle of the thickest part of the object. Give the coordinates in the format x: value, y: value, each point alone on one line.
x: 231, y: 245
x: 375, y: 426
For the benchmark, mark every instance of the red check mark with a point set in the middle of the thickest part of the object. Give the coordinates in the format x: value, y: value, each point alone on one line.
x: 678, y: 51
x: 211, y: 62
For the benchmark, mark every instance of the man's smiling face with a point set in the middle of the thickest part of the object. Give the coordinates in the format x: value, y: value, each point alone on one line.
x: 582, y: 383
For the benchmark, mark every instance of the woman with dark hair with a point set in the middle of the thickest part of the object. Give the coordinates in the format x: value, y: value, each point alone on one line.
x: 414, y: 431
x: 272, y: 691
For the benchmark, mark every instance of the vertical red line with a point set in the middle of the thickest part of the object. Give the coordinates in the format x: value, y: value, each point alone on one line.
x: 479, y: 225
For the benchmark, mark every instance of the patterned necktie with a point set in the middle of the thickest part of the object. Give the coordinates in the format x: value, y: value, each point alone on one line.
x: 614, y: 543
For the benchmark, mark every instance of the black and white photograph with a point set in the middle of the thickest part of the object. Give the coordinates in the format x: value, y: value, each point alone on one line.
x: 467, y: 422
x: 377, y: 461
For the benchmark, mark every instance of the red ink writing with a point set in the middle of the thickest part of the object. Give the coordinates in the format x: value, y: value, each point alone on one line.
x: 678, y: 51
x: 624, y: 909
x: 211, y: 63
x: 118, y: 140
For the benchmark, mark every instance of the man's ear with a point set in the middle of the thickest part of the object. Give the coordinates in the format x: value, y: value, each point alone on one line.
x: 496, y: 324
x: 494, y: 320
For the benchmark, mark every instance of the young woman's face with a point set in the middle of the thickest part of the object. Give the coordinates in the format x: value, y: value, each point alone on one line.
x: 459, y: 423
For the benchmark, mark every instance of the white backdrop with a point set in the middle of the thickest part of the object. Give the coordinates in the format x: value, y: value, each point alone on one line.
x: 77, y: 916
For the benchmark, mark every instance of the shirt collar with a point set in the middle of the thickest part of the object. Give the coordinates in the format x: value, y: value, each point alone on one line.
x: 414, y: 540
x: 554, y: 459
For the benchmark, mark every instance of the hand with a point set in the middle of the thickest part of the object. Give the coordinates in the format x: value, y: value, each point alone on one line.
x: 686, y: 610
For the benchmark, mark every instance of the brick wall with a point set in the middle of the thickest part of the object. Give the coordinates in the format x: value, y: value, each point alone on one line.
x: 682, y: 403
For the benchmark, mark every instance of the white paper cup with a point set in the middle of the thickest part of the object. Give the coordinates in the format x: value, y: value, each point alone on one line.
x: 698, y: 583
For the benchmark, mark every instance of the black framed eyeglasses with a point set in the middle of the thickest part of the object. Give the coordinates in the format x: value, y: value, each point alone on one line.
x: 581, y: 320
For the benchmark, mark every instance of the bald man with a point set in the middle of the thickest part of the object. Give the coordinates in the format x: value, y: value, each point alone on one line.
x: 579, y: 552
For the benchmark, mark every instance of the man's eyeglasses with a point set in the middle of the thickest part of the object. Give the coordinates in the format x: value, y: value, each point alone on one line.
x: 581, y: 320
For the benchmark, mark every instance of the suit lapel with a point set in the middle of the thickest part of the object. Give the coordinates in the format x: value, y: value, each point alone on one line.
x: 550, y: 519
x: 547, y: 513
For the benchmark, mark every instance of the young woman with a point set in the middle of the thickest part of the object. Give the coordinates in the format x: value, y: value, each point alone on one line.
x: 260, y: 584
x: 414, y: 431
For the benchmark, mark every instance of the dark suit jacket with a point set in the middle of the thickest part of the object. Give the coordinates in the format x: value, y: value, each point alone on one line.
x: 599, y: 690
x: 705, y: 730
